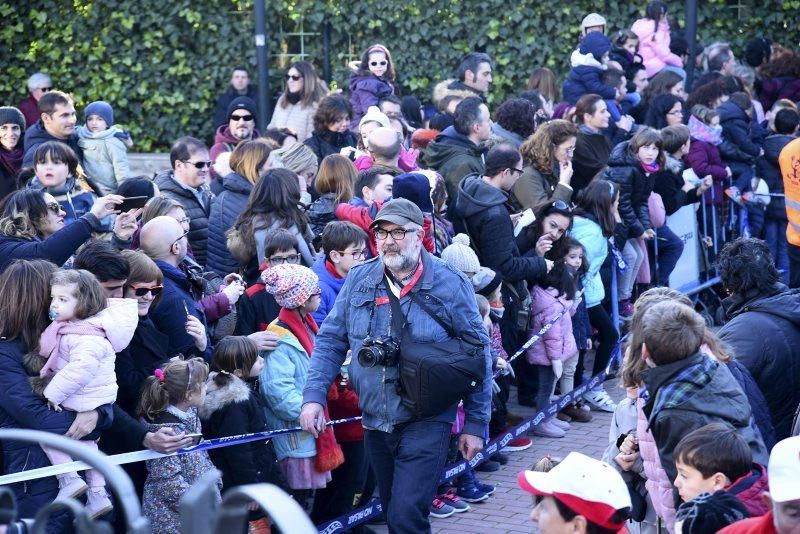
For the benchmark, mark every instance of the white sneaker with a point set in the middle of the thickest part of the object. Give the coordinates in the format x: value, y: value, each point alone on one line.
x: 548, y: 430
x: 600, y: 400
x: 563, y: 425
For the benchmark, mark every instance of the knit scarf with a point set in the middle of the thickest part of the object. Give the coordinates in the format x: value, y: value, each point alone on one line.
x: 704, y: 132
x: 650, y: 168
x: 12, y: 160
x: 329, y: 454
x: 51, y: 340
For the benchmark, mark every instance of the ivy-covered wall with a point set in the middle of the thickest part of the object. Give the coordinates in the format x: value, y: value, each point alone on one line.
x: 163, y: 64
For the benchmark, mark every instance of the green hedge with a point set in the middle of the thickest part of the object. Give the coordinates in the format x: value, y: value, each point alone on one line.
x: 163, y: 64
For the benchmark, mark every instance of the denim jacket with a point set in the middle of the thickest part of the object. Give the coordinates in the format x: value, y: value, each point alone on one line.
x: 355, y: 316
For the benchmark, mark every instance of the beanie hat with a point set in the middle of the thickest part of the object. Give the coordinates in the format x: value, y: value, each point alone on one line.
x: 757, y: 51
x: 11, y: 115
x: 375, y: 115
x: 102, y: 109
x: 459, y: 255
x: 486, y: 281
x: 415, y: 187
x: 596, y: 44
x: 241, y: 102
x: 709, y: 513
x: 591, y: 20
x: 291, y: 285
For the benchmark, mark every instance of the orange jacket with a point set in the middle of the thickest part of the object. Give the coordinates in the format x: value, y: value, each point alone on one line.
x: 789, y: 161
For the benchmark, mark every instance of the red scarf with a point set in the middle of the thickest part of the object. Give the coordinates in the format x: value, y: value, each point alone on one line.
x: 329, y: 454
x: 406, y: 289
x: 332, y: 269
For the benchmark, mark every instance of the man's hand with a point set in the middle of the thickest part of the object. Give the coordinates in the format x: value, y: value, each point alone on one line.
x: 165, y: 441
x: 312, y: 418
x: 469, y: 445
x: 83, y: 425
x: 125, y: 224
x: 264, y: 340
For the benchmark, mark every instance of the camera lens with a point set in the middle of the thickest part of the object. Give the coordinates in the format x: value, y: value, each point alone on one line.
x: 367, y: 357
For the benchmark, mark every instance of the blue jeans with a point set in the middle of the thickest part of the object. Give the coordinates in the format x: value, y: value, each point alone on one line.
x: 775, y: 236
x: 407, y: 464
x: 670, y: 248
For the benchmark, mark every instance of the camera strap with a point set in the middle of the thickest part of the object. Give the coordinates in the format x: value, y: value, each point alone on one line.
x: 397, y: 310
x: 398, y: 317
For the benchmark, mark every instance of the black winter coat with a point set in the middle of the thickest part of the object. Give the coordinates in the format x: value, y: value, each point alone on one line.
x: 36, y: 135
x: 147, y: 351
x: 764, y: 334
x: 257, y: 309
x: 634, y: 189
x: 455, y: 156
x: 320, y: 213
x: 327, y: 143
x: 668, y: 183
x: 591, y: 157
x: 197, y: 207
x: 767, y: 168
x: 737, y: 143
x: 226, y: 209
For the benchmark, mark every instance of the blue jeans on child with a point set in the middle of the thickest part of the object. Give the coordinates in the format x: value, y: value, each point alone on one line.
x: 775, y: 236
x: 670, y: 248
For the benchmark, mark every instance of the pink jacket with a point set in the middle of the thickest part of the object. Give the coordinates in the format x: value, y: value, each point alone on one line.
x: 655, y: 52
x: 81, y: 356
x: 659, y: 487
x: 558, y: 343
x: 407, y: 161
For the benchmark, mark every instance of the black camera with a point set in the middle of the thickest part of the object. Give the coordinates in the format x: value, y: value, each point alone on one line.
x: 381, y: 350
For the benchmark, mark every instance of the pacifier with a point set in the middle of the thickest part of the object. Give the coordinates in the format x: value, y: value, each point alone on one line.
x: 53, y: 315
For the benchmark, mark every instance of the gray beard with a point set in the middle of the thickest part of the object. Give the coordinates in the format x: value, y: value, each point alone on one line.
x: 401, y: 263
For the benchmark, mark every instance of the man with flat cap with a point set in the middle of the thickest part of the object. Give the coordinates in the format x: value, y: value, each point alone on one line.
x: 410, y: 298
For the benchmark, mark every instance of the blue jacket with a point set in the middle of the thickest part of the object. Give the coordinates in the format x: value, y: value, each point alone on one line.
x: 20, y: 407
x: 591, y: 237
x: 224, y: 212
x: 585, y: 78
x: 330, y: 286
x: 356, y: 316
x: 169, y: 314
x: 282, y: 380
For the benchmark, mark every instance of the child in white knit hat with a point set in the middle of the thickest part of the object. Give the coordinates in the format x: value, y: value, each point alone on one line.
x: 460, y: 256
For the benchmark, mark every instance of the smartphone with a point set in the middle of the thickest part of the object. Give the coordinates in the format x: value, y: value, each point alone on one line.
x: 196, y: 438
x: 132, y: 203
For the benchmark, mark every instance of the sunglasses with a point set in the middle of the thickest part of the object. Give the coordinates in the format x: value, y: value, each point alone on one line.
x: 199, y: 164
x: 246, y: 118
x: 142, y: 291
x: 376, y: 63
x: 45, y: 89
x: 561, y: 206
x: 293, y: 77
x: 54, y: 207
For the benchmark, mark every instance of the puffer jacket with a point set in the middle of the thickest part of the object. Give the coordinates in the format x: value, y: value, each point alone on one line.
x: 584, y: 78
x: 767, y: 168
x: 83, y: 364
x: 634, y: 192
x: 226, y: 209
x: 737, y: 143
x: 704, y: 159
x: 659, y: 486
x: 328, y: 142
x: 365, y: 91
x: 330, y: 284
x: 558, y: 343
x: 320, y: 213
x: 654, y: 42
x: 454, y: 156
x: 76, y: 197
x: 296, y: 117
x: 105, y: 156
x: 750, y: 488
x: 282, y: 381
x: 773, y: 89
x: 589, y: 233
x: 197, y: 204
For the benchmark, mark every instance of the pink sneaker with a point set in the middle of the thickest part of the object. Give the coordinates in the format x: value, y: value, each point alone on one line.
x: 98, y: 503
x: 70, y: 486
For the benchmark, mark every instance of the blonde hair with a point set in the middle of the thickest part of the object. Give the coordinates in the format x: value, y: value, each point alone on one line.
x: 336, y: 175
x: 179, y: 379
x: 159, y: 206
x: 88, y: 291
x: 248, y: 158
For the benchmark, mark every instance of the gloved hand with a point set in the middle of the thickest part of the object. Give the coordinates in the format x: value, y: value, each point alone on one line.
x: 233, y: 292
x: 558, y: 368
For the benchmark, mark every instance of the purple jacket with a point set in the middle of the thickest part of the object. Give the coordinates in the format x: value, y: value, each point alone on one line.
x: 558, y: 343
x: 773, y: 89
x: 366, y: 91
x: 704, y: 159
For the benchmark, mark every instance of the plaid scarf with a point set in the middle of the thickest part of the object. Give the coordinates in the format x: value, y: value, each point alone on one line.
x: 684, y: 385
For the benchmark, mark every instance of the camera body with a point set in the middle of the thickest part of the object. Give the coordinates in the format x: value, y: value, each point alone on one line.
x: 382, y: 350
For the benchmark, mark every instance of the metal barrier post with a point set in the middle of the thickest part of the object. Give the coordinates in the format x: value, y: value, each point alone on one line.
x: 655, y: 258
x: 614, y: 294
x: 714, y: 224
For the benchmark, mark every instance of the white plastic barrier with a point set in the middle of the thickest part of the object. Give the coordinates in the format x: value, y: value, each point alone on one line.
x: 687, y: 272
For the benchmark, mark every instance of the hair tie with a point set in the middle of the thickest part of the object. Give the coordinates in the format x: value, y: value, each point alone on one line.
x: 159, y: 373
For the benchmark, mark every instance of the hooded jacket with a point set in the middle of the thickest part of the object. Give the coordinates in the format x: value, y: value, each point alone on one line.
x: 225, y: 141
x: 224, y: 212
x: 197, y: 204
x: 584, y: 78
x: 365, y: 91
x: 586, y: 230
x: 105, y: 156
x: 329, y: 284
x: 737, y: 143
x: 83, y: 364
x: 690, y: 393
x: 764, y: 334
x: 654, y: 42
x: 455, y: 156
x: 557, y: 343
x: 36, y: 135
x: 668, y: 183
x: 635, y: 189
x: 749, y: 490
x: 767, y: 167
x: 328, y: 142
x: 455, y: 88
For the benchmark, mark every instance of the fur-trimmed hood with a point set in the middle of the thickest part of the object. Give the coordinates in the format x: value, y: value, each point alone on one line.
x: 237, y: 390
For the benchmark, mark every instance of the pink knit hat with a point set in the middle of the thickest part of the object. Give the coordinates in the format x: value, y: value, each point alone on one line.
x: 292, y: 285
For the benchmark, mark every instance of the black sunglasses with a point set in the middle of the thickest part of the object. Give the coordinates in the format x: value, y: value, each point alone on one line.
x: 54, y: 207
x: 45, y: 89
x: 199, y: 164
x: 246, y: 118
x: 376, y: 63
x: 561, y: 206
x: 293, y: 77
x: 142, y: 291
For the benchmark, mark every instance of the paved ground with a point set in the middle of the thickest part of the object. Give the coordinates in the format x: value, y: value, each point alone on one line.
x: 508, y: 510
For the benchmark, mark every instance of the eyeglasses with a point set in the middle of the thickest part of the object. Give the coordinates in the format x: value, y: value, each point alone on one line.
x: 279, y: 260
x: 568, y: 150
x: 45, y: 89
x: 376, y: 63
x: 54, y: 207
x: 246, y: 118
x: 518, y: 171
x: 181, y: 237
x: 142, y: 291
x: 293, y: 77
x: 185, y: 220
x: 398, y: 234
x: 561, y: 206
x: 199, y: 164
x: 357, y: 254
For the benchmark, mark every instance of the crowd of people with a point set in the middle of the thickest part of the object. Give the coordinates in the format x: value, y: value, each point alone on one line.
x: 288, y: 277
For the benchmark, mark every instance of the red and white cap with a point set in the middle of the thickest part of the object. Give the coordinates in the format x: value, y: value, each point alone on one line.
x: 588, y: 487
x: 784, y: 470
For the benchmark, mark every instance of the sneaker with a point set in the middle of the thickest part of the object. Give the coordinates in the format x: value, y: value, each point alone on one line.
x: 576, y: 414
x: 625, y: 308
x: 441, y: 509
x: 71, y: 486
x: 450, y: 498
x: 548, y: 430
x: 519, y: 444
x: 563, y: 425
x: 600, y: 400
x: 500, y: 458
x: 98, y: 503
x: 489, y: 466
x: 471, y: 493
x: 488, y: 489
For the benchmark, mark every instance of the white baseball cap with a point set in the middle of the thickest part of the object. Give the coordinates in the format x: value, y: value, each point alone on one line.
x: 588, y: 487
x: 784, y: 470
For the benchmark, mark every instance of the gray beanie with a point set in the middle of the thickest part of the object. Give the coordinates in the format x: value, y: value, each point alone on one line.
x: 11, y: 115
x: 461, y: 256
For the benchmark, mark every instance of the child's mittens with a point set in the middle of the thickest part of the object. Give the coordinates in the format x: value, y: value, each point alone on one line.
x: 558, y: 368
